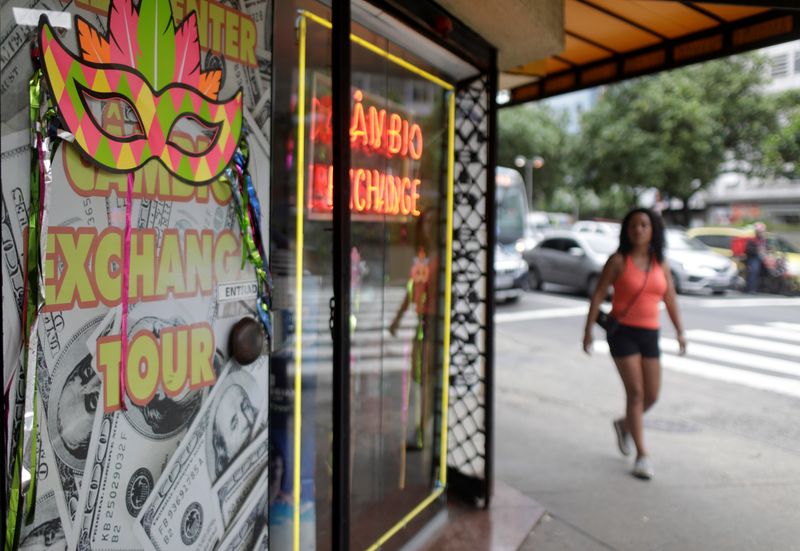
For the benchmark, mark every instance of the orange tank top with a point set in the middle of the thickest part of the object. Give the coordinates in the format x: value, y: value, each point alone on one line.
x: 643, y: 312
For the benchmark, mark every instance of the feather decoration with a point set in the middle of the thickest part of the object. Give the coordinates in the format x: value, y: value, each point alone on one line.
x: 123, y: 20
x: 94, y: 46
x: 156, y: 33
x: 145, y: 38
x: 209, y: 83
x: 187, y: 53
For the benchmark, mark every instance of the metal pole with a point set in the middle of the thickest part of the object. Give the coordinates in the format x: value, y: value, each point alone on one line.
x: 340, y: 98
x: 529, y: 180
x: 491, y: 168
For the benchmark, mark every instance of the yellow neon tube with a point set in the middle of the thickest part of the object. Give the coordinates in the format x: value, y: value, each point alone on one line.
x: 406, y: 519
x: 448, y: 283
x: 437, y: 492
x: 381, y: 52
x: 298, y: 305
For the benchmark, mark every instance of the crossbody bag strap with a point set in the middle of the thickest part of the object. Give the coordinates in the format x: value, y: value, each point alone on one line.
x: 633, y: 300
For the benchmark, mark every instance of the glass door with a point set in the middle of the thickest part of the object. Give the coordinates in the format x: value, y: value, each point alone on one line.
x: 400, y: 187
x: 302, y: 252
x: 400, y: 140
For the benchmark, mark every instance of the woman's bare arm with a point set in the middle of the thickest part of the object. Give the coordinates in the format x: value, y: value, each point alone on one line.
x: 671, y: 302
x: 611, y: 271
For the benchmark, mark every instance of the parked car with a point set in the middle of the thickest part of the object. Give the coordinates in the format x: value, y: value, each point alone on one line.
x: 570, y: 258
x: 718, y: 239
x: 723, y: 239
x: 539, y: 223
x: 695, y: 267
x: 510, y: 274
x: 731, y: 242
x: 600, y: 227
x: 560, y: 220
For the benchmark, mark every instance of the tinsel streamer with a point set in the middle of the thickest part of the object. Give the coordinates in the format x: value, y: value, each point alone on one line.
x: 41, y: 177
x: 45, y: 135
x: 255, y: 208
x: 248, y: 213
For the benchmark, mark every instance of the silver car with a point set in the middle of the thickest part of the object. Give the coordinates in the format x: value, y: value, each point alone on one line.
x: 696, y: 268
x: 510, y: 274
x: 570, y: 258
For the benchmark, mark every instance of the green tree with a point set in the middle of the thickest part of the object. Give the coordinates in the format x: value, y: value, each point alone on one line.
x: 536, y: 130
x: 782, y: 148
x: 676, y: 131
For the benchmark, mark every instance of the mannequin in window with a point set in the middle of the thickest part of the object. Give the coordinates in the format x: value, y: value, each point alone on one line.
x: 421, y: 291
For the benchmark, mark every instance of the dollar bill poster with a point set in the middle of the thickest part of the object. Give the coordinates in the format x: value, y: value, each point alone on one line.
x: 140, y: 427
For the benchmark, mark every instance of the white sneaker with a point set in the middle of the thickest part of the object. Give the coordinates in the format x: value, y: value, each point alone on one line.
x: 642, y: 468
x: 623, y: 438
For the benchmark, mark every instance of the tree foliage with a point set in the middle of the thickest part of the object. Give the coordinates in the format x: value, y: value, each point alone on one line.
x: 782, y: 148
x: 536, y: 130
x: 676, y: 131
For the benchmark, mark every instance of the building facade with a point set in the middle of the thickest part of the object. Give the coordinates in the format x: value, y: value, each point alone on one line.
x: 246, y: 278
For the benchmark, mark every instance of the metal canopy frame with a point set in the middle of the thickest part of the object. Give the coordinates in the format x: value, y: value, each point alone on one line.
x: 786, y: 4
x: 727, y: 38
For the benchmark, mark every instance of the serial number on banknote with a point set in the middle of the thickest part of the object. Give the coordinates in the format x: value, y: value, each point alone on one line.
x: 193, y: 472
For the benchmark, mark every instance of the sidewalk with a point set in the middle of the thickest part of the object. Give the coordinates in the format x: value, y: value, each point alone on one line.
x: 727, y: 461
x: 502, y: 527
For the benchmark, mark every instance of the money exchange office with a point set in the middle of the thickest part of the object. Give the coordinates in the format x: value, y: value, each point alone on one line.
x: 173, y: 355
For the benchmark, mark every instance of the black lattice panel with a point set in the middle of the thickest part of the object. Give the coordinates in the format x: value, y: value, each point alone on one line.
x: 468, y: 363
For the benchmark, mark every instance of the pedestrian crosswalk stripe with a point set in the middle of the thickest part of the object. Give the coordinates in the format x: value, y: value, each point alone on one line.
x: 736, y: 357
x: 785, y: 325
x: 546, y: 313
x: 739, y: 341
x: 721, y: 373
x: 769, y: 332
x: 747, y: 302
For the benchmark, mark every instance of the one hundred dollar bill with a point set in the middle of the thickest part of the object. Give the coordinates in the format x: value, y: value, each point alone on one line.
x: 70, y: 391
x: 251, y: 521
x: 262, y: 539
x: 14, y: 164
x: 183, y: 512
x: 130, y: 447
x: 233, y: 487
x: 69, y: 386
x: 46, y: 529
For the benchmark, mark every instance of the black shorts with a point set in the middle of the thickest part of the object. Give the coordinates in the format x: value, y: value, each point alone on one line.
x: 629, y: 341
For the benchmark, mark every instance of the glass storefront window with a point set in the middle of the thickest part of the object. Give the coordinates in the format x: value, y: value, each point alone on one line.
x: 401, y: 167
x: 301, y: 253
x: 399, y: 160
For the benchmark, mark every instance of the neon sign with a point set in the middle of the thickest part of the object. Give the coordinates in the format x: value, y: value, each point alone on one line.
x: 375, y: 132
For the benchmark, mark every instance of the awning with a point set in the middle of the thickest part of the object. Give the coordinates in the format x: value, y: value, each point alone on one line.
x: 608, y: 41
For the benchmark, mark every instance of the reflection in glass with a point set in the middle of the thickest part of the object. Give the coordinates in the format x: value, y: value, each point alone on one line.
x: 302, y: 273
x: 396, y: 303
x: 398, y: 138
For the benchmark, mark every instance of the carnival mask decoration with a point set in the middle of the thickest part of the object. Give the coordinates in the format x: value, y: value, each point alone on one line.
x: 151, y: 65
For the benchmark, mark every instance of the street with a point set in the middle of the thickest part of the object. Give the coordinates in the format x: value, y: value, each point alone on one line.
x: 724, y: 437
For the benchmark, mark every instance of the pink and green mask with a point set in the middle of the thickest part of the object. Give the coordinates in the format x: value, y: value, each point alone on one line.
x: 154, y: 67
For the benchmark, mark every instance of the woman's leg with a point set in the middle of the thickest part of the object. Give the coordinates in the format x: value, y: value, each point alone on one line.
x: 631, y: 371
x: 651, y: 372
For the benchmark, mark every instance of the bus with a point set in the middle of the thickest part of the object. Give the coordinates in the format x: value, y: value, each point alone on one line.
x: 512, y: 207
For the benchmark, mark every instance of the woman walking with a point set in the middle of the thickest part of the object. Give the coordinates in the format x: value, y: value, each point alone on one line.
x: 641, y: 279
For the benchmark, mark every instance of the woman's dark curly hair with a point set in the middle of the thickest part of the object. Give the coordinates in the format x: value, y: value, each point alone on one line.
x: 656, y: 242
